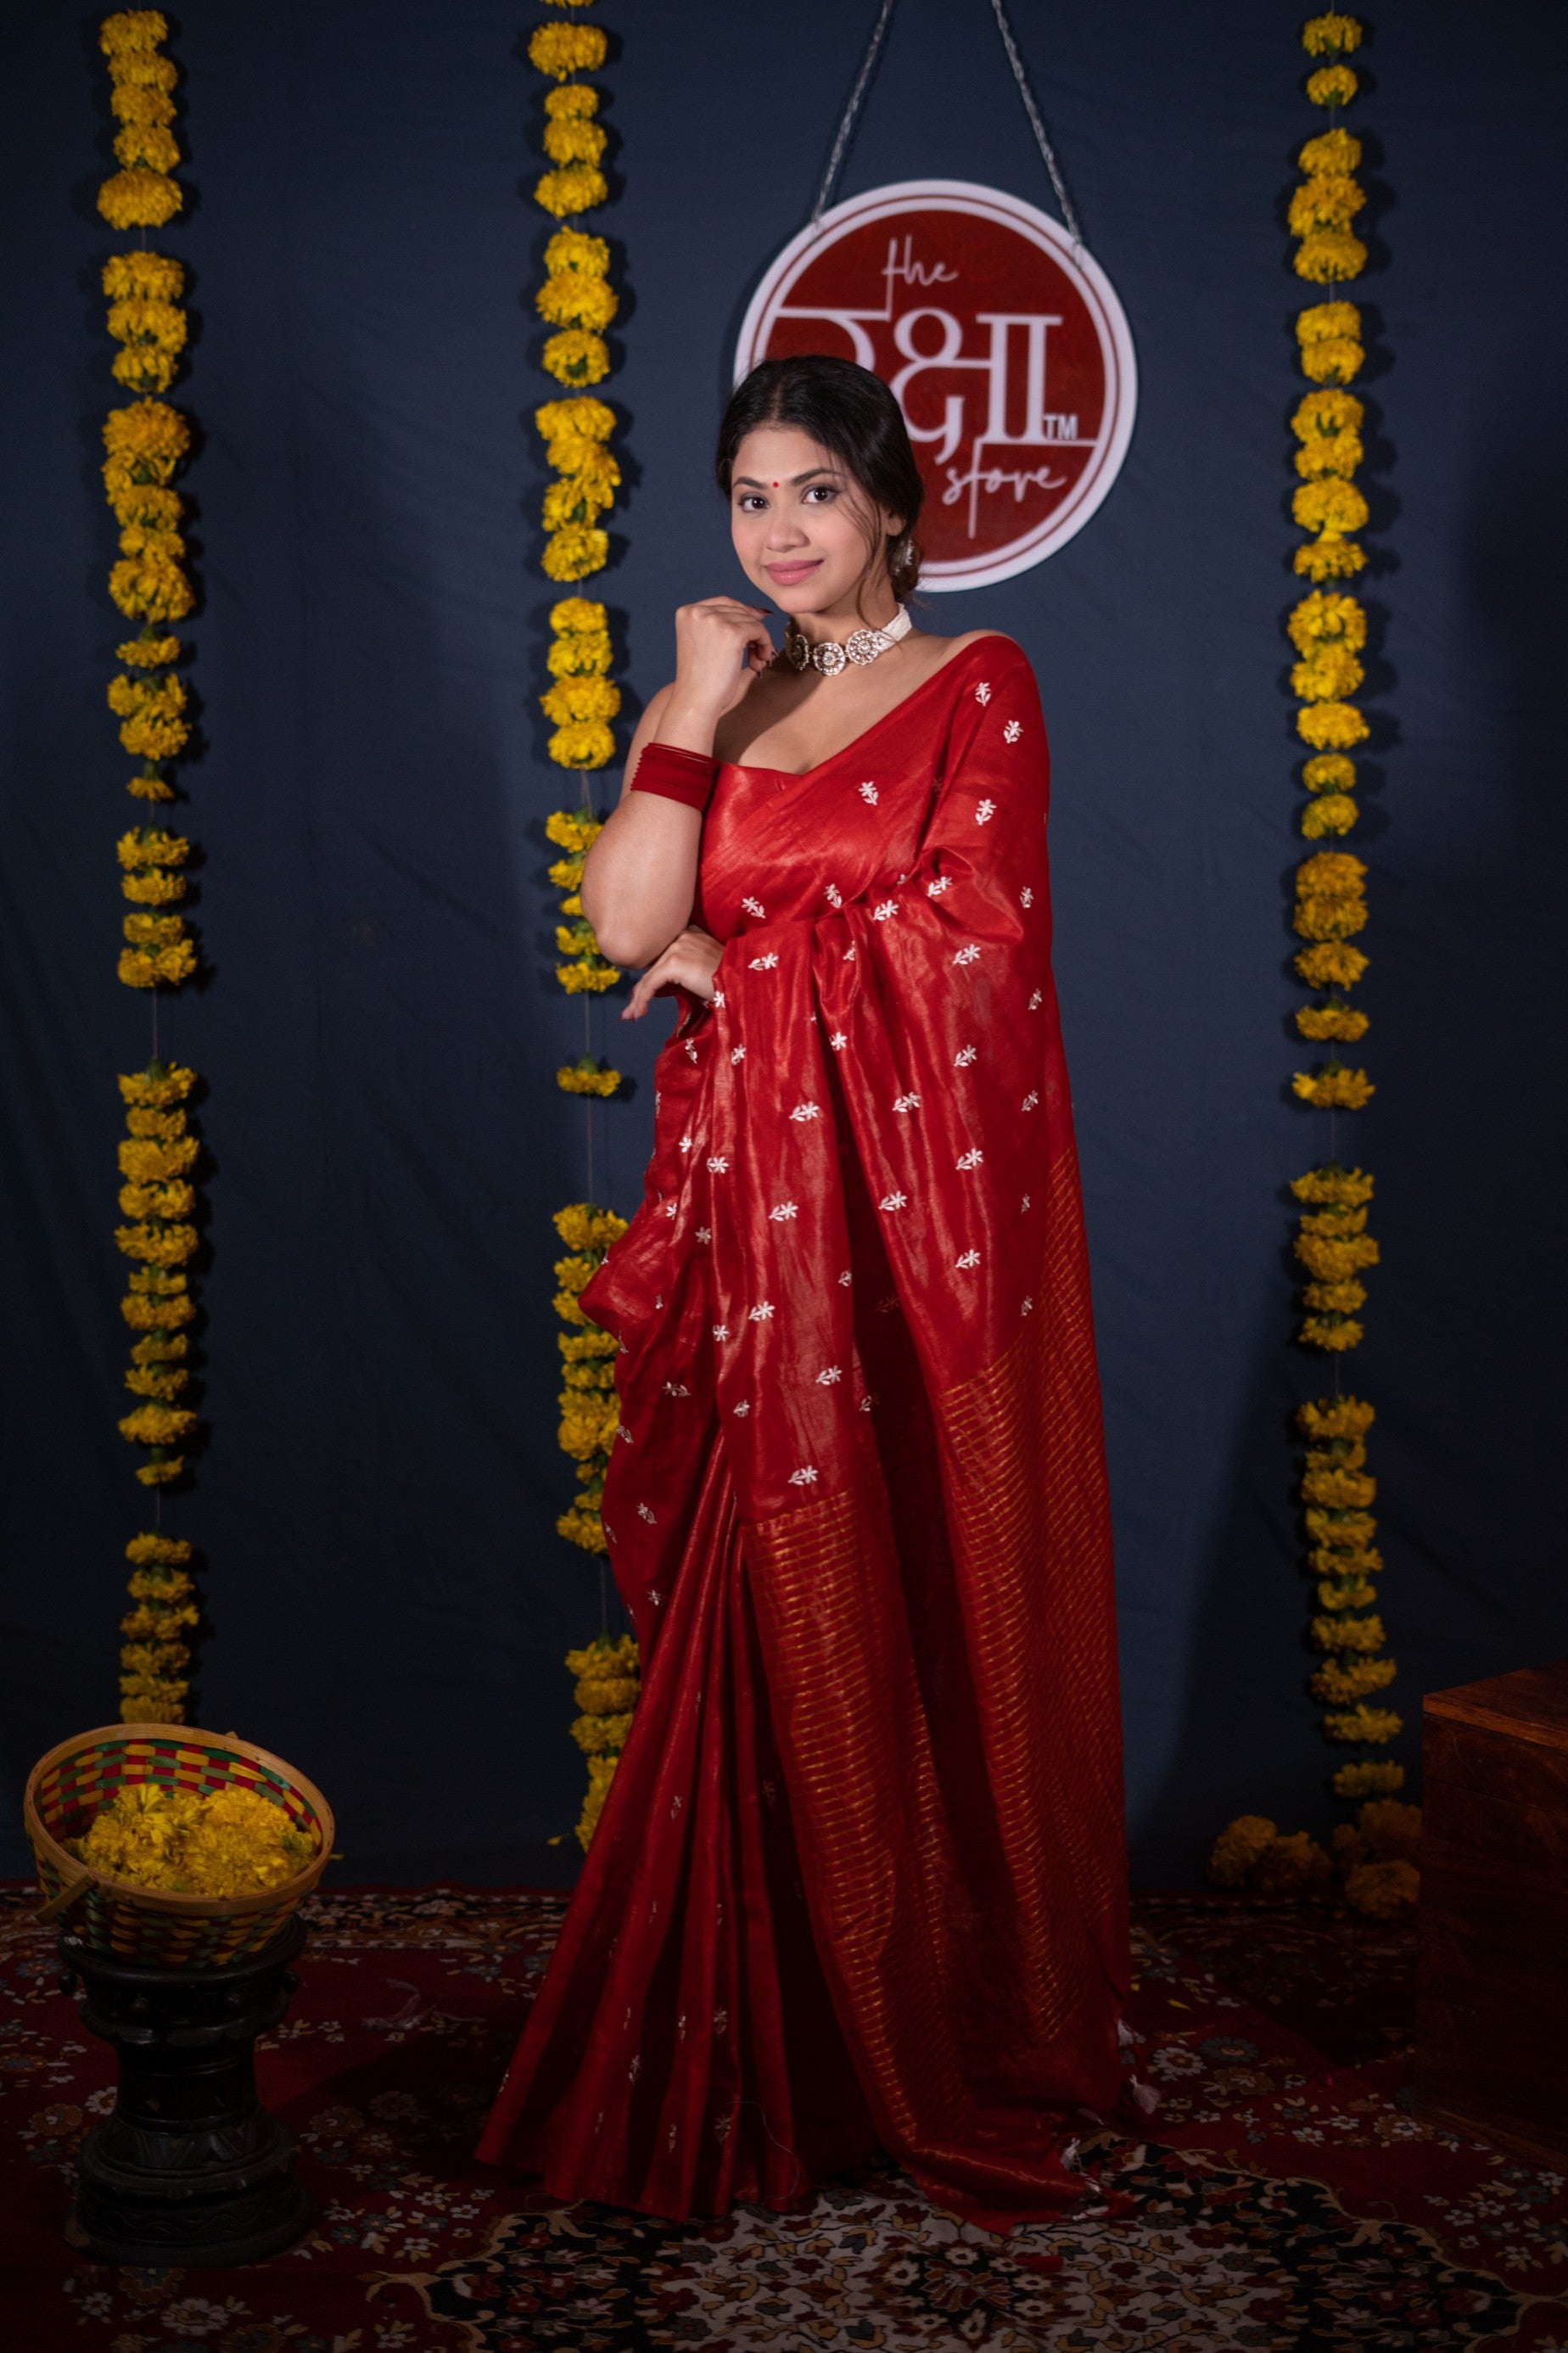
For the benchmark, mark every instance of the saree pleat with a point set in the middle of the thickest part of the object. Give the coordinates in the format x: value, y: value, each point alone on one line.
x: 859, y: 1881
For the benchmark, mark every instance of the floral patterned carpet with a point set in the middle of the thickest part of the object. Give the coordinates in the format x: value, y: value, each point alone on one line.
x: 1286, y: 2196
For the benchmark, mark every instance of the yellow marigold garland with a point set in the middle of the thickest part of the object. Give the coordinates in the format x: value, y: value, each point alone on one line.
x: 590, y: 1414
x: 1328, y: 628
x: 608, y: 1682
x: 145, y: 442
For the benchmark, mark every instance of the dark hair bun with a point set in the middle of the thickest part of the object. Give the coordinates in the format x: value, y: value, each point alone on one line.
x: 849, y: 411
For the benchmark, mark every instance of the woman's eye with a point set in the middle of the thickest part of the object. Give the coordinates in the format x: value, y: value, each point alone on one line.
x: 822, y: 491
x: 752, y: 503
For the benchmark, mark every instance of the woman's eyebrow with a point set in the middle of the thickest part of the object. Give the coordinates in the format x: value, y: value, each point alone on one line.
x: 750, y: 481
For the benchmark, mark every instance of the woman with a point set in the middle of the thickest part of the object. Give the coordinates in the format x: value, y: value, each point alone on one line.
x: 859, y: 1880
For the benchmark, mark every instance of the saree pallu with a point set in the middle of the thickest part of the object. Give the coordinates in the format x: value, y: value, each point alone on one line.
x: 859, y: 1881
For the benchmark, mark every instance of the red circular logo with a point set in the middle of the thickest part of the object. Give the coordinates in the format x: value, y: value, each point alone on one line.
x: 1007, y: 349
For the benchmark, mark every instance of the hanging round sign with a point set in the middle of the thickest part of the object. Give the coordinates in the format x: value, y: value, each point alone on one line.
x: 1004, y: 343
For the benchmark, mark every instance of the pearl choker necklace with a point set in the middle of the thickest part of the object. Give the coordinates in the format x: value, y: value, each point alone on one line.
x: 830, y: 657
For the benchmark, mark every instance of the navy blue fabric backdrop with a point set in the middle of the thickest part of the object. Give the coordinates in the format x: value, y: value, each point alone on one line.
x: 390, y: 1602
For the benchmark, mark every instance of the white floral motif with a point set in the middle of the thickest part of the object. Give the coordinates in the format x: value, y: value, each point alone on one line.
x: 718, y: 1165
x: 806, y: 1110
x: 847, y: 1276
x: 719, y: 999
x: 742, y: 1409
x: 934, y: 889
x: 839, y: 1042
x: 690, y: 1050
x: 672, y: 1210
x: 673, y: 2130
x: 656, y: 1598
x: 1029, y: 1102
x: 985, y: 812
x: 826, y: 1380
x: 894, y: 1201
x: 765, y: 963
x: 762, y: 1313
x: 849, y: 955
x: 635, y: 2070
x: 1013, y: 730
x: 624, y: 1432
x: 753, y: 906
x: 982, y: 693
x: 868, y: 792
x: 1025, y: 897
x: 970, y: 1258
x: 1036, y: 1001
x: 720, y: 1331
x: 887, y: 907
x: 681, y: 2028
x: 721, y: 2129
x: 783, y: 1212
x: 806, y: 1477
x: 970, y: 1159
x: 676, y: 1388
x: 737, y: 1054
x: 967, y: 956
x: 686, y: 1142
x: 907, y: 1103
x: 704, y: 1233
x: 833, y: 895
x: 964, y: 1056
x: 866, y: 1402
x: 1026, y: 1308
x: 1024, y: 1202
x: 644, y: 1514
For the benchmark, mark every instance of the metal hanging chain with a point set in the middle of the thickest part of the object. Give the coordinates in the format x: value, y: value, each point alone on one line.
x: 1033, y: 111
x: 851, y: 110
x: 868, y: 63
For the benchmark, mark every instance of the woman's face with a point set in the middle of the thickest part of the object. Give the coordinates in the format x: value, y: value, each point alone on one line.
x: 800, y: 524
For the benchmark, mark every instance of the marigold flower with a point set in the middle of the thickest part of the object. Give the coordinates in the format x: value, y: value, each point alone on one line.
x: 582, y: 743
x: 148, y: 845
x: 145, y: 141
x: 1331, y: 964
x: 1342, y: 1491
x: 151, y: 588
x: 1288, y: 1864
x: 562, y: 49
x: 568, y: 299
x: 1327, y: 674
x: 1337, y: 1684
x: 1328, y: 200
x: 1322, y: 1021
x: 575, y: 552
x: 1329, y: 1259
x: 572, y: 829
x: 1327, y: 457
x: 1332, y: 507
x: 129, y: 30
x: 584, y: 419
x: 1364, y: 1779
x: 584, y: 655
x: 1334, y: 813
x: 1336, y: 723
x: 1335, y: 1333
x: 1321, y: 620
x: 1238, y: 1847
x: 157, y: 1086
x: 582, y: 698
x: 1328, y: 559
x: 147, y: 652
x: 1329, y: 255
x: 602, y: 1736
x: 575, y: 356
x: 1331, y: 35
x: 570, y: 188
x: 1332, y: 85
x: 163, y: 967
x: 1331, y: 150
x: 1325, y: 414
x: 145, y: 277
x: 586, y: 1229
x: 582, y: 1525
x: 1383, y: 1891
x: 1320, y: 917
x: 1349, y: 1188
x: 573, y: 138
x: 139, y: 199
x: 1330, y: 771
x: 148, y: 433
x: 1333, y: 1088
x: 577, y: 499
x: 134, y: 103
x: 572, y: 250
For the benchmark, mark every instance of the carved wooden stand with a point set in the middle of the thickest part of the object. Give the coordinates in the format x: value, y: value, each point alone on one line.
x: 190, y: 2168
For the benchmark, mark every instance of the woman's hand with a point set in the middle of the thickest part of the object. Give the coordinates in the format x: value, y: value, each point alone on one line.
x: 689, y: 962
x: 718, y: 643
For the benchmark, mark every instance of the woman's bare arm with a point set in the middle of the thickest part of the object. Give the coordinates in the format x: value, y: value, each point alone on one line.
x: 639, y: 880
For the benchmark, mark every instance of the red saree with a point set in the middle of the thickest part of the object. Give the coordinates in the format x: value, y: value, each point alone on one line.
x: 859, y: 1881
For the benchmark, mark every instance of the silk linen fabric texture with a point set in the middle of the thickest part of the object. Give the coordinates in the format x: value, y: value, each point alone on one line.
x: 859, y: 1881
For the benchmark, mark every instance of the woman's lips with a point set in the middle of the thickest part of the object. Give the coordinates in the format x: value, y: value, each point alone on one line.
x: 786, y: 574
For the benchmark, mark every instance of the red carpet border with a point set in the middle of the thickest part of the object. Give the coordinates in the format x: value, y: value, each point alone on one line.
x: 1285, y: 2199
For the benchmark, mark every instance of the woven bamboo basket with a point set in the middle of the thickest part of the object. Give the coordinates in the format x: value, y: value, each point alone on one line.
x: 66, y: 1790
